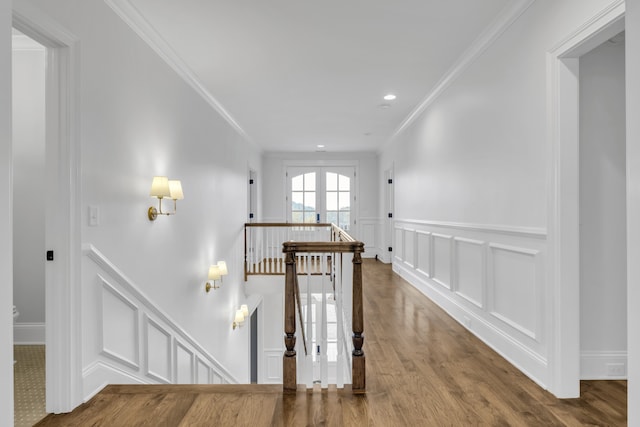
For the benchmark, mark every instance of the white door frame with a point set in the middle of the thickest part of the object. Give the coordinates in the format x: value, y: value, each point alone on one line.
x: 62, y: 205
x: 389, y: 208
x: 563, y: 202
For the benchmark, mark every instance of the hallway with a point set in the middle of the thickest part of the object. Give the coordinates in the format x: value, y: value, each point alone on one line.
x: 423, y: 368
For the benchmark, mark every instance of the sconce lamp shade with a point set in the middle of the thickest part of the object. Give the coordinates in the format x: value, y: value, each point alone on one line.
x: 175, y: 189
x: 222, y: 265
x: 245, y: 310
x: 239, y: 320
x: 160, y: 187
x: 214, y: 272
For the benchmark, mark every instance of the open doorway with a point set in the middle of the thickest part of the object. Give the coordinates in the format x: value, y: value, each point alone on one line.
x: 563, y: 71
x: 58, y: 200
x: 29, y: 161
x: 603, y: 231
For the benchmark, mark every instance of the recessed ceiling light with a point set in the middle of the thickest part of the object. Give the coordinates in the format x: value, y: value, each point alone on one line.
x: 320, y: 146
x: 389, y: 97
x: 385, y: 105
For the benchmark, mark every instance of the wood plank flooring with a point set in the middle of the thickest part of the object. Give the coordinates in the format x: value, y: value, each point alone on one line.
x: 423, y: 369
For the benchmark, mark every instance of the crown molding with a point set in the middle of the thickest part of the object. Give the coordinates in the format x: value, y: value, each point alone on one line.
x: 507, y: 16
x: 134, y: 19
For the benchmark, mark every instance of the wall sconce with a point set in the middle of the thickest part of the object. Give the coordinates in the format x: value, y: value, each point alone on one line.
x: 216, y: 271
x: 162, y: 187
x: 241, y: 314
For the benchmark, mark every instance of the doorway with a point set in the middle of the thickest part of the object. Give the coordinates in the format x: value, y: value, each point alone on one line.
x: 563, y: 70
x: 603, y: 231
x: 59, y: 200
x: 28, y: 146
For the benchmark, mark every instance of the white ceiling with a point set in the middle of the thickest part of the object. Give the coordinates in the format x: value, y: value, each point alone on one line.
x: 292, y: 74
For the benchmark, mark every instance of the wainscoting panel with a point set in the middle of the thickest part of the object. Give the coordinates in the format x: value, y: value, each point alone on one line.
x: 488, y: 278
x: 470, y: 270
x: 514, y: 294
x: 423, y: 253
x: 367, y: 235
x: 409, y: 248
x: 203, y: 373
x: 184, y: 364
x: 273, y: 363
x: 127, y: 339
x: 159, y: 360
x: 398, y: 244
x: 442, y: 259
x: 119, y: 323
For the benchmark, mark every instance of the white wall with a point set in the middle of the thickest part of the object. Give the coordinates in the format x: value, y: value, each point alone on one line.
x: 632, y: 21
x: 367, y: 188
x: 471, y: 186
x: 28, y: 178
x: 140, y: 119
x: 603, y: 278
x: 6, y: 228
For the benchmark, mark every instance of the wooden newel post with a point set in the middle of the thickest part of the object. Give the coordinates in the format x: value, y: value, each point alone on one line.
x: 357, y: 357
x: 289, y: 380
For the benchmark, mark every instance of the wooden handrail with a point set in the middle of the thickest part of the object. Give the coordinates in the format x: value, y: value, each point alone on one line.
x: 264, y: 260
x: 357, y: 356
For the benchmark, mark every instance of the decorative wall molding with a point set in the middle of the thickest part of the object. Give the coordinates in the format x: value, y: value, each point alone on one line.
x: 184, y: 364
x: 514, y: 296
x: 158, y: 363
x: 424, y: 252
x: 118, y: 317
x: 489, y: 280
x: 469, y: 278
x: 367, y: 234
x: 531, y: 232
x: 442, y: 257
x: 507, y: 16
x: 273, y: 365
x: 29, y: 333
x: 129, y: 325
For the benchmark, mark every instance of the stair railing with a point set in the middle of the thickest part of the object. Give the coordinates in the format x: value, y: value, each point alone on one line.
x: 335, y: 250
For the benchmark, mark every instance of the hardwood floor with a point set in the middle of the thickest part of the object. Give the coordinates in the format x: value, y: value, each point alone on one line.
x: 423, y: 369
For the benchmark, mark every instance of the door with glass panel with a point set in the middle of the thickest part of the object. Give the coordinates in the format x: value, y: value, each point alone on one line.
x: 321, y: 194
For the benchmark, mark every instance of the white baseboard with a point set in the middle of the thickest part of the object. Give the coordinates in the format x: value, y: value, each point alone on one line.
x: 29, y: 333
x: 603, y: 365
x: 100, y: 374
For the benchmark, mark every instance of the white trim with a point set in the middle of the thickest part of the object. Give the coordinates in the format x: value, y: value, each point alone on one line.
x: 134, y: 19
x: 97, y: 370
x: 177, y: 346
x: 96, y: 256
x: 482, y: 245
x: 534, y: 232
x: 434, y: 269
x: 563, y: 204
x: 507, y: 16
x: 150, y: 323
x: 598, y: 365
x: 107, y: 287
x: 27, y: 333
x: 63, y: 330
